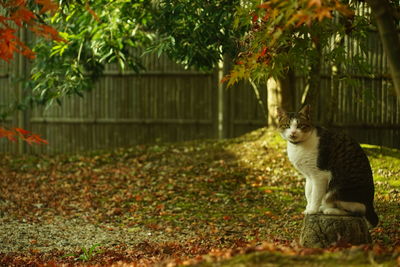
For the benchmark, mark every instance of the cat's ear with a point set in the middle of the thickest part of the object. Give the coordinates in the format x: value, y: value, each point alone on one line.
x: 280, y: 112
x: 306, y: 111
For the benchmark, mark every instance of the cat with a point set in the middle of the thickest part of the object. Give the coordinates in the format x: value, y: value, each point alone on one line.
x: 338, y: 174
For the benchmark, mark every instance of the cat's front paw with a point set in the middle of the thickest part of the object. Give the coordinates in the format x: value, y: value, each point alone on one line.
x: 309, y: 211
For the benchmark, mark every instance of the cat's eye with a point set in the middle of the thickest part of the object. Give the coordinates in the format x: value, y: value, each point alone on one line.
x: 302, y: 126
x: 285, y: 126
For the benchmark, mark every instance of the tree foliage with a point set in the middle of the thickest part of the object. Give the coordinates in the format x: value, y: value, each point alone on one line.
x: 193, y: 33
x: 96, y: 33
x: 15, y: 15
x: 265, y: 38
x: 18, y: 14
x: 196, y: 33
x: 295, y: 34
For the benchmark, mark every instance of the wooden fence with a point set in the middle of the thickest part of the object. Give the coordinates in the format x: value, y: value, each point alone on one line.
x: 168, y: 103
x: 370, y: 112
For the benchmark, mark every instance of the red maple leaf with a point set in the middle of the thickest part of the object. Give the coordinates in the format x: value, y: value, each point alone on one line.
x: 22, y: 14
x: 8, y: 44
x: 263, y: 51
x: 47, y: 5
x: 22, y: 134
x: 34, y: 138
x: 27, y: 52
x: 7, y: 34
x: 22, y: 131
x: 10, y: 135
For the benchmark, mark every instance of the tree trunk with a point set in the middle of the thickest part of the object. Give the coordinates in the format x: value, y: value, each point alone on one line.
x: 222, y: 113
x: 322, y: 231
x: 313, y: 89
x: 314, y: 80
x: 383, y: 13
x: 280, y: 94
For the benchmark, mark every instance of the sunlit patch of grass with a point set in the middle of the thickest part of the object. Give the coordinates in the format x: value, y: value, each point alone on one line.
x: 385, y: 163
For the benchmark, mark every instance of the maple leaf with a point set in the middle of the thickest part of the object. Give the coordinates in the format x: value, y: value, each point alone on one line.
x: 300, y: 18
x: 47, y: 5
x: 323, y: 12
x: 27, y: 52
x: 10, y: 135
x: 22, y: 14
x: 34, y: 138
x: 22, y: 131
x: 7, y: 34
x: 235, y: 76
x: 23, y: 134
x: 344, y: 9
x: 227, y: 77
x: 263, y: 51
x: 3, y: 54
x: 8, y: 44
x: 316, y: 3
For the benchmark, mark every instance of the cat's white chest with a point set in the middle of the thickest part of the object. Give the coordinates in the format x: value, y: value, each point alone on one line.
x: 304, y: 156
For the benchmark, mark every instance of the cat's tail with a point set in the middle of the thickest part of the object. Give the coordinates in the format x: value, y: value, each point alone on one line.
x: 371, y: 216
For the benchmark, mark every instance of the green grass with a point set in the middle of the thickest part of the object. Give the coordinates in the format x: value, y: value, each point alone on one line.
x: 86, y: 254
x: 385, y: 163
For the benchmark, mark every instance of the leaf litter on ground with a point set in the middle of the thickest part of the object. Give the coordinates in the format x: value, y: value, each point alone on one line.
x: 181, y: 202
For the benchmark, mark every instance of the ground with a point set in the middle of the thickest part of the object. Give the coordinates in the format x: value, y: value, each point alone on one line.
x: 235, y: 202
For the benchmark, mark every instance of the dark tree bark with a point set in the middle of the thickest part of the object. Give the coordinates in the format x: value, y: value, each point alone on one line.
x: 322, y: 231
x: 314, y: 80
x: 385, y: 20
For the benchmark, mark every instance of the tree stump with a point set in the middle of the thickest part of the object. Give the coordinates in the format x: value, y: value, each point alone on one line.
x: 322, y: 231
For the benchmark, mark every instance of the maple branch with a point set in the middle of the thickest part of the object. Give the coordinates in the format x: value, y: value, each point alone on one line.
x: 18, y: 13
x: 17, y: 133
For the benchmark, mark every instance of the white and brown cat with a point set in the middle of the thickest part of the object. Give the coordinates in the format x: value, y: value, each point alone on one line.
x: 337, y: 171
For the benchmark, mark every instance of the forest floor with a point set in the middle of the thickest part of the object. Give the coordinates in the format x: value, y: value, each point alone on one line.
x: 234, y: 202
